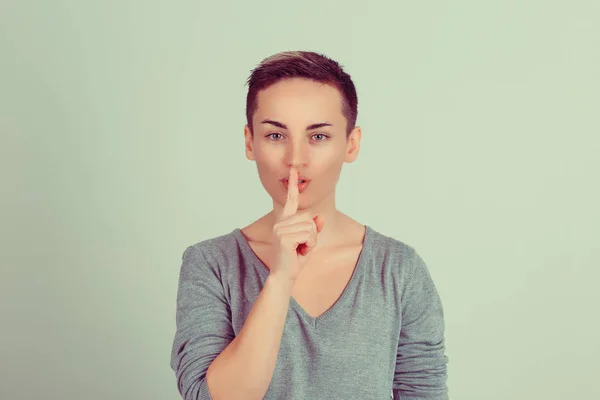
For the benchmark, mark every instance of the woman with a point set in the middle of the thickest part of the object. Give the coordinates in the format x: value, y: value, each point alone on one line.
x: 306, y: 302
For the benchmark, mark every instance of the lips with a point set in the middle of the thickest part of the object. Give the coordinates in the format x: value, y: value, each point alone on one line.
x: 301, y: 186
x: 300, y: 180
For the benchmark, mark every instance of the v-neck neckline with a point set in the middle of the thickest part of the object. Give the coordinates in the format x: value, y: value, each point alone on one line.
x: 264, y: 272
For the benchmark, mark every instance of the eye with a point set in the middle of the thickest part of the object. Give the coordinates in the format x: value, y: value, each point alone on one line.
x: 321, y: 134
x: 271, y: 134
x: 316, y: 134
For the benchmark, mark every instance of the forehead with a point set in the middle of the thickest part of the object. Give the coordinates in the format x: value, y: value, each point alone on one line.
x: 299, y: 98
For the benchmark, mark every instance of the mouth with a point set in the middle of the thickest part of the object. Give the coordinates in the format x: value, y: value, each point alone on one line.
x: 302, y: 184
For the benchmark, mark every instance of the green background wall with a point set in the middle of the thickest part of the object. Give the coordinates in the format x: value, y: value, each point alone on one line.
x: 122, y: 143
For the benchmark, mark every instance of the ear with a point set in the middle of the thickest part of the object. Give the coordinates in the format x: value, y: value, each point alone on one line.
x: 353, y: 144
x: 248, y: 143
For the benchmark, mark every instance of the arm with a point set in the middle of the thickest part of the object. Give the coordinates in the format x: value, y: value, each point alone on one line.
x: 245, y: 368
x: 210, y: 362
x: 421, y: 371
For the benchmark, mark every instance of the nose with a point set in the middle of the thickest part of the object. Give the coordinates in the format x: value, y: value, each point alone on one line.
x: 297, y: 154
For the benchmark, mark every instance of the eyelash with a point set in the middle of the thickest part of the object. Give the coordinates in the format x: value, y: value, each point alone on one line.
x: 322, y: 134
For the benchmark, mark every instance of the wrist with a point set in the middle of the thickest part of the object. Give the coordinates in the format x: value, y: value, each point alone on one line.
x: 281, y: 279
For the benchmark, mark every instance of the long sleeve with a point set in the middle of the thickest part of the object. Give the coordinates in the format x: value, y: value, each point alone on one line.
x: 204, y: 327
x: 421, y: 371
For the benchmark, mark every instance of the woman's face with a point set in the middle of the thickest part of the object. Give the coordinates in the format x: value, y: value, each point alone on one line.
x: 283, y: 137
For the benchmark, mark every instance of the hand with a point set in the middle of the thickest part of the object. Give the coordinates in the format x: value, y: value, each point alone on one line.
x: 295, y: 234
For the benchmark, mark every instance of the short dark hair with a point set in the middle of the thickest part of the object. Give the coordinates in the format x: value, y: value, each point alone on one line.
x: 302, y: 64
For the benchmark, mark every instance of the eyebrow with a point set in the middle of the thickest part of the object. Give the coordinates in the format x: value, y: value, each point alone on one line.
x: 284, y: 126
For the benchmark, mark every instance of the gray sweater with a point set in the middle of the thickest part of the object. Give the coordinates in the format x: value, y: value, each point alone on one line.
x: 383, y: 338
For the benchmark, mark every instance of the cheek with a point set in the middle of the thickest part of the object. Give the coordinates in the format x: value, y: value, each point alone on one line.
x: 330, y: 172
x: 268, y: 171
x: 267, y: 156
x: 330, y: 167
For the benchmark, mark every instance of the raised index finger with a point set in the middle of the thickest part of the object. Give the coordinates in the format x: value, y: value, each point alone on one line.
x: 291, y: 204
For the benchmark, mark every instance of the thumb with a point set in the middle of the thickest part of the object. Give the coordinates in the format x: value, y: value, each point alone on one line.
x: 319, y: 221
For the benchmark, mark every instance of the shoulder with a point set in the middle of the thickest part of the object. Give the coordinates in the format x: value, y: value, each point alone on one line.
x: 395, y: 257
x: 401, y: 261
x: 214, y: 256
x: 216, y: 246
x: 386, y: 245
